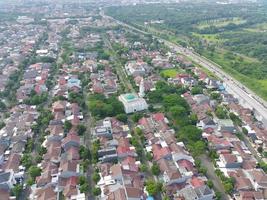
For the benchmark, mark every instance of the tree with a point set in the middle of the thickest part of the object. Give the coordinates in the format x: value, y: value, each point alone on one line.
x: 137, y: 116
x: 81, y: 129
x: 2, y: 125
x: 221, y: 112
x: 203, y: 170
x: 166, y: 198
x: 30, y: 181
x: 189, y: 133
x: 263, y: 165
x: 41, y: 150
x: 197, y: 90
x: 193, y: 119
x: 67, y: 126
x: 138, y: 131
x: 75, y: 97
x: 102, y: 107
x: 96, y: 191
x: 96, y: 177
x: 244, y: 130
x: 95, y: 148
x: 151, y: 187
x: 228, y: 187
x: 85, y: 164
x: 26, y: 160
x: 122, y: 117
x: 84, y: 153
x: 16, y: 190
x: 170, y: 100
x: 34, y: 171
x: 82, y: 180
x: 197, y: 148
x: 260, y: 149
x: 2, y: 106
x: 218, y: 195
x: 210, y: 183
x: 84, y: 188
x: 143, y: 168
x: 155, y: 169
x: 149, y: 156
x: 36, y: 99
x: 178, y: 112
x: 235, y: 119
x: 175, y: 100
x: 215, y: 96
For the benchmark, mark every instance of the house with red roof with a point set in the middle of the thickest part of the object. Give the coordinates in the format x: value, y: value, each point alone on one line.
x: 69, y: 168
x: 160, y: 152
x: 58, y: 106
x: 125, y: 151
x: 129, y: 164
x: 72, y: 140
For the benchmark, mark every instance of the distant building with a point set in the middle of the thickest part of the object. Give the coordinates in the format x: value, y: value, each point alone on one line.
x: 24, y: 20
x: 200, y: 193
x: 134, y: 68
x: 226, y: 125
x: 133, y: 103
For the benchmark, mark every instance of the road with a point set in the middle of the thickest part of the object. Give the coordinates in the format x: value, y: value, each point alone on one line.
x: 119, y: 67
x: 248, y: 143
x: 246, y: 97
x: 217, y: 184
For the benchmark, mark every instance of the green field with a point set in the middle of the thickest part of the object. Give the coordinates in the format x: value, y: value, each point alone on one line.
x: 220, y: 22
x: 260, y: 28
x: 212, y: 38
x: 171, y: 73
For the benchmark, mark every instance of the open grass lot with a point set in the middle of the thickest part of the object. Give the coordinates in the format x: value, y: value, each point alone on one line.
x: 220, y: 22
x: 212, y: 38
x: 171, y: 73
x: 260, y: 28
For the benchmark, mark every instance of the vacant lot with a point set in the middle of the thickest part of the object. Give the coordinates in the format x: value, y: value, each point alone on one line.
x: 170, y: 73
x: 220, y: 22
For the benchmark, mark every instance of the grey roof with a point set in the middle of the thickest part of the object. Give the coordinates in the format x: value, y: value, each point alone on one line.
x: 19, y: 146
x: 203, y: 190
x: 209, y: 121
x: 4, y: 177
x: 55, y: 122
x: 188, y: 193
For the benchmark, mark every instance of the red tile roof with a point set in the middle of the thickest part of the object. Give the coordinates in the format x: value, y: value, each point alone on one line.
x: 197, y: 182
x: 160, y: 152
x: 158, y: 116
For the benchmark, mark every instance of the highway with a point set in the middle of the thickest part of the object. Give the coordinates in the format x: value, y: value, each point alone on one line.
x: 246, y: 97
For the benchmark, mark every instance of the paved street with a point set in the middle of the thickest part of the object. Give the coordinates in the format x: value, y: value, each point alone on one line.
x: 119, y: 68
x: 205, y: 161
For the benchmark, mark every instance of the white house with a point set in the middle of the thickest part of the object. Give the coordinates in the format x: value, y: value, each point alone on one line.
x: 132, y: 103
